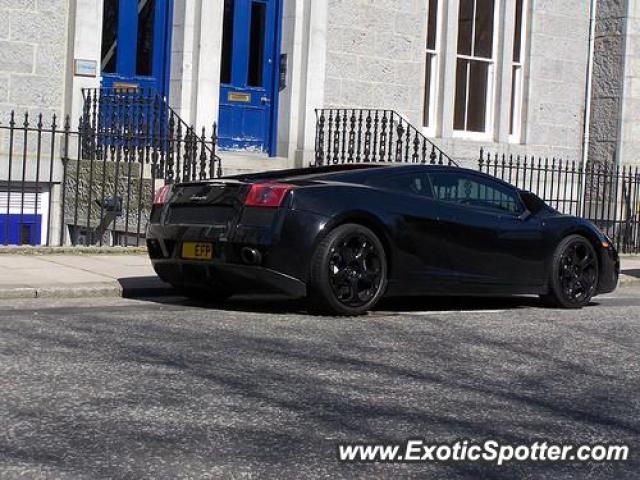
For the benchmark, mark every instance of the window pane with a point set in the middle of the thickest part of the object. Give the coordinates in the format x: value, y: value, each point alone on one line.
x: 427, y: 90
x: 484, y: 28
x: 475, y: 192
x: 432, y: 25
x: 517, y: 38
x: 144, y: 52
x: 461, y: 95
x: 465, y: 27
x: 227, y: 41
x: 256, y: 45
x: 25, y: 234
x: 477, y: 109
x: 515, y: 98
x: 409, y: 183
x: 109, y: 36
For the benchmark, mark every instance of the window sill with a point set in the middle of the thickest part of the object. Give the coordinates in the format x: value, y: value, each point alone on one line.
x: 476, y: 136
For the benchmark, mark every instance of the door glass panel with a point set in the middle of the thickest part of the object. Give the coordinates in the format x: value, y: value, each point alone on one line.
x: 227, y: 41
x: 410, y: 183
x: 256, y: 45
x: 144, y: 52
x: 476, y: 192
x: 109, y: 56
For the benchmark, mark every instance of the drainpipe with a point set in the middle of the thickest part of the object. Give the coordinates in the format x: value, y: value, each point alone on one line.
x: 589, y: 90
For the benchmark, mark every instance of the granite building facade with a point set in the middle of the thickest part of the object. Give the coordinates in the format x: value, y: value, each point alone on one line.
x: 557, y: 78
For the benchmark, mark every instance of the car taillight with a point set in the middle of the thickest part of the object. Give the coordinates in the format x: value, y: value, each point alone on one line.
x: 162, y: 195
x: 268, y: 195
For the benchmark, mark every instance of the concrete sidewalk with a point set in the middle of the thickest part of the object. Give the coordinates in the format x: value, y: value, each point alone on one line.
x: 69, y: 275
x: 115, y: 275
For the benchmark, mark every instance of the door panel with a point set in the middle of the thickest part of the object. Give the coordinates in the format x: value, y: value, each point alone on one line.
x: 488, y: 241
x: 422, y: 265
x: 247, y: 93
x: 492, y: 248
x: 135, y: 39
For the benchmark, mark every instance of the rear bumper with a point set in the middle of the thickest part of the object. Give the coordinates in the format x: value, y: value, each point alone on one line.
x: 238, y: 278
x: 285, y: 243
x: 609, y: 271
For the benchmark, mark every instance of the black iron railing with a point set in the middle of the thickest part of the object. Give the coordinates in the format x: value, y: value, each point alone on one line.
x: 140, y: 119
x: 607, y: 196
x: 357, y: 135
x: 93, y: 183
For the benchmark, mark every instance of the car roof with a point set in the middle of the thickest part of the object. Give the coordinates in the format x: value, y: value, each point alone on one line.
x: 337, y: 172
x: 356, y: 173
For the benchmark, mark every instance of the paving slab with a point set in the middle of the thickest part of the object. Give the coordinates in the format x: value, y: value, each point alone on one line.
x: 78, y: 276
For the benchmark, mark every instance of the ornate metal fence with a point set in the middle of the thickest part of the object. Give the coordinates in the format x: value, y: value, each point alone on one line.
x: 140, y: 119
x: 369, y: 136
x: 607, y: 196
x: 93, y: 183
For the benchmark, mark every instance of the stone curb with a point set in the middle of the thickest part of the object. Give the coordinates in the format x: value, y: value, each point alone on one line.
x: 628, y: 280
x: 36, y: 251
x: 104, y: 290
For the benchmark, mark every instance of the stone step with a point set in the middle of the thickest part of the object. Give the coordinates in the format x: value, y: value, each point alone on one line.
x: 237, y: 163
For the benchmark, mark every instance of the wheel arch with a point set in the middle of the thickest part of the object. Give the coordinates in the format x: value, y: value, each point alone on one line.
x: 591, y: 236
x: 368, y: 220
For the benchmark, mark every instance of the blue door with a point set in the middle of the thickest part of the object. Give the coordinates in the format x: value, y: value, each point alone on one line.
x: 248, y: 91
x: 135, y: 44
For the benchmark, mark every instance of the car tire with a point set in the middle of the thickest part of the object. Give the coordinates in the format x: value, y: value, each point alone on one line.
x: 213, y: 296
x: 348, y: 274
x: 574, y: 274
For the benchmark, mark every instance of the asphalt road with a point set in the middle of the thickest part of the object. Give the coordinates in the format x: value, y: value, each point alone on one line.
x: 172, y: 389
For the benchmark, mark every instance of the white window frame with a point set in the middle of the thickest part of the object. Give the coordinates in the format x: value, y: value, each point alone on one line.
x: 491, y: 74
x: 516, y: 102
x: 434, y: 83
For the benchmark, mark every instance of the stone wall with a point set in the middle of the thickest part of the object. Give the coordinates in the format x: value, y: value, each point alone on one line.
x: 557, y: 79
x: 33, y: 56
x: 84, y: 188
x: 608, y: 81
x: 630, y: 131
x: 375, y: 58
x: 375, y: 55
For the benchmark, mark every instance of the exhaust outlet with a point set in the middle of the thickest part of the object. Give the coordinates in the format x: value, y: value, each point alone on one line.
x: 251, y: 256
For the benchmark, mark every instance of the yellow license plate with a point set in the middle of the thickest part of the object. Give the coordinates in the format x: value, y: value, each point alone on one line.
x: 197, y: 251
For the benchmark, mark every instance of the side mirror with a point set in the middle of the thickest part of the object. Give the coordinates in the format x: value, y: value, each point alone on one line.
x: 532, y: 203
x: 525, y: 215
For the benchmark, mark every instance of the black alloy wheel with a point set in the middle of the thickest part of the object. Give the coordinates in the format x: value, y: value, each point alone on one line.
x: 349, y: 270
x: 574, y: 279
x: 355, y: 271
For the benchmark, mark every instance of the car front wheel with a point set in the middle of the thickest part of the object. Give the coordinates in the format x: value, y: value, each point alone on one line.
x: 574, y: 274
x: 348, y: 274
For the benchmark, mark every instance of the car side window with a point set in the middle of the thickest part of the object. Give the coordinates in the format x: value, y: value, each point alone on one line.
x: 475, y: 191
x: 411, y: 183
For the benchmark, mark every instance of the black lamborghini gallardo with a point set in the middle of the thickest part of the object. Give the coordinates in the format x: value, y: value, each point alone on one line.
x: 345, y: 236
